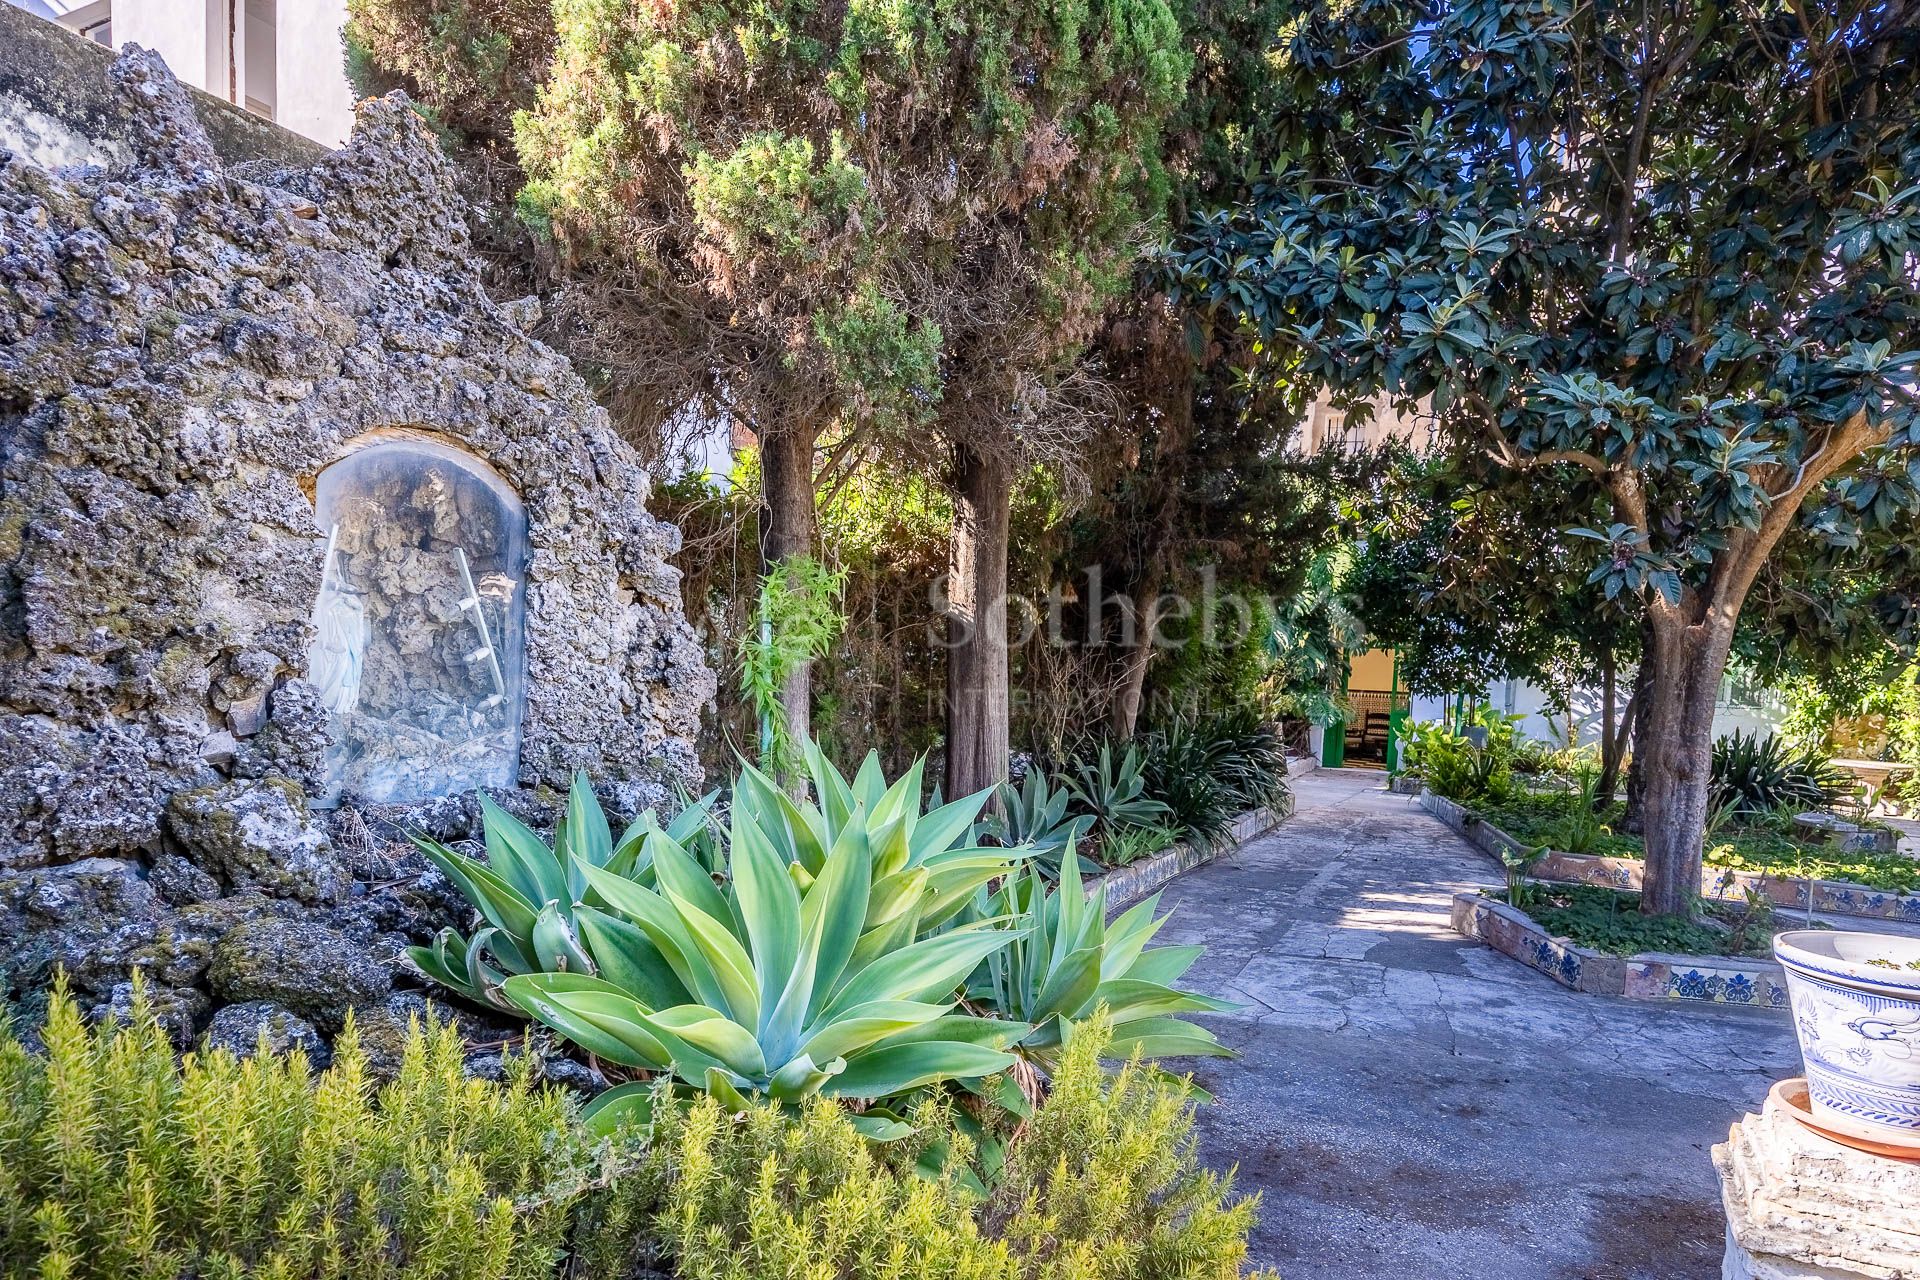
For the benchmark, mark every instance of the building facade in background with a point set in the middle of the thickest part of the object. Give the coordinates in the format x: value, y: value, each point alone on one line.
x: 281, y: 59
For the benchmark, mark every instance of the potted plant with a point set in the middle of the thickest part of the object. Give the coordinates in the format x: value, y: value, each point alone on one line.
x: 1856, y: 1010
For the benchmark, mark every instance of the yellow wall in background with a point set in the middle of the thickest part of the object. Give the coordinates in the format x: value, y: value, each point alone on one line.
x: 1372, y: 670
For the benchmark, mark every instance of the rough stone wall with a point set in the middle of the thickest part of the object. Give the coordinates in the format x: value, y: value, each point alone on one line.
x: 184, y: 346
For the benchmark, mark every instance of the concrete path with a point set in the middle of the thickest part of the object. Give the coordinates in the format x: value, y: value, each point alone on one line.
x: 1412, y: 1105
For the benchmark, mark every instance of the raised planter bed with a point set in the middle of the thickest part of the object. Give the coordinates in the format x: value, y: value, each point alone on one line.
x: 1133, y: 882
x: 1825, y: 897
x: 1648, y: 975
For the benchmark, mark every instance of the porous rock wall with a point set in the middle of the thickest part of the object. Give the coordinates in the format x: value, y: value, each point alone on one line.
x: 185, y: 343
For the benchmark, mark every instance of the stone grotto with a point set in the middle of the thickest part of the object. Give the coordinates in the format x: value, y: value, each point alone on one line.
x: 302, y: 539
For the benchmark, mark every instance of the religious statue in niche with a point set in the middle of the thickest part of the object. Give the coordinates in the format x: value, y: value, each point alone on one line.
x: 419, y: 639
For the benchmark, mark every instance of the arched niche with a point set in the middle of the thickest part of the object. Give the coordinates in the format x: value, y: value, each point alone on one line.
x: 420, y: 623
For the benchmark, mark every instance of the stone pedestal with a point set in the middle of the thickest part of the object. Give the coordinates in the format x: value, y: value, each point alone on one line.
x: 1802, y: 1207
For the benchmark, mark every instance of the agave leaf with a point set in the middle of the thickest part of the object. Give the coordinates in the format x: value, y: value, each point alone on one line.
x: 624, y: 1106
x: 895, y: 895
x: 880, y: 1128
x: 896, y: 1068
x: 1165, y: 1038
x: 664, y: 928
x: 865, y: 1026
x: 680, y: 876
x: 522, y: 858
x: 589, y: 839
x: 940, y: 829
x: 1070, y: 985
x: 727, y: 964
x: 692, y: 818
x: 503, y: 905
x: 717, y: 1083
x: 445, y: 961
x: 930, y: 969
x: 1165, y: 964
x: 1128, y: 999
x: 769, y: 906
x: 627, y: 957
x: 801, y: 1078
x: 597, y: 1016
x: 835, y: 793
x: 869, y: 783
x: 716, y: 1035
x: 554, y: 945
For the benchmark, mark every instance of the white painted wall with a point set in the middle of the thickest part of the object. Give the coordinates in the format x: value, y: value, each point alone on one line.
x: 181, y: 32
x: 298, y: 70
x: 313, y: 97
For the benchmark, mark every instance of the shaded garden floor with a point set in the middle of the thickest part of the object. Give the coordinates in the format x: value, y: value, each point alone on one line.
x: 1410, y: 1103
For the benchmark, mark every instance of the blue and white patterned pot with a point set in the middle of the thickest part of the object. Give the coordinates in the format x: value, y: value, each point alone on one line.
x: 1856, y: 1009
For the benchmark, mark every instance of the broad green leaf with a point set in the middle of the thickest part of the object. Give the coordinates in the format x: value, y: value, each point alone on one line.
x: 628, y: 959
x: 862, y: 1027
x: 522, y: 858
x: 908, y: 1066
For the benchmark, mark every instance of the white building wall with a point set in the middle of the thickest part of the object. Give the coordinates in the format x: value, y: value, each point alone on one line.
x: 180, y: 31
x: 313, y: 97
x: 298, y: 74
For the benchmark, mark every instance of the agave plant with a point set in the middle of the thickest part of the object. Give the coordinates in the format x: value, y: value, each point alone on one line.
x: 1071, y: 961
x: 531, y: 895
x: 1114, y: 791
x: 773, y: 982
x: 1755, y: 775
x: 814, y: 949
x: 1034, y: 815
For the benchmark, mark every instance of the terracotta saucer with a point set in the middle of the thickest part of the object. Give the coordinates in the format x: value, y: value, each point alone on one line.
x: 1792, y: 1097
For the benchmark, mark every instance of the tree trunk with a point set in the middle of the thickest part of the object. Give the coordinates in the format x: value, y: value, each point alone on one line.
x: 1125, y: 716
x: 786, y: 529
x: 977, y: 679
x: 1673, y: 758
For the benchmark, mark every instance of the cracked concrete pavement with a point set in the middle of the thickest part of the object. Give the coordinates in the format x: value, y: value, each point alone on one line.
x: 1410, y: 1104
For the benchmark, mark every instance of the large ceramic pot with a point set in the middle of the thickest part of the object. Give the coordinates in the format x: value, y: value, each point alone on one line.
x: 1856, y: 1008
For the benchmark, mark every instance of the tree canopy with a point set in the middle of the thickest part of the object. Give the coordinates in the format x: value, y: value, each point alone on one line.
x: 1669, y: 246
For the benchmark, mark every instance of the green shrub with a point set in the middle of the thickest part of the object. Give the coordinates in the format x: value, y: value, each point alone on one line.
x: 1071, y: 962
x: 119, y: 1163
x: 1754, y: 775
x: 1208, y: 771
x: 1113, y: 790
x: 1104, y: 1184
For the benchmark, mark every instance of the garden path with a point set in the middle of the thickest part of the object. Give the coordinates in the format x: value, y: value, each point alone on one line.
x: 1411, y: 1104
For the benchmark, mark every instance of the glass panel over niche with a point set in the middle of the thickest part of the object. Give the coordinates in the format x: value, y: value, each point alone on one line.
x: 419, y: 636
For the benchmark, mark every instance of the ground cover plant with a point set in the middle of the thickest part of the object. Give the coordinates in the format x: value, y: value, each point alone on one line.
x: 1609, y: 920
x: 1763, y: 845
x: 120, y: 1161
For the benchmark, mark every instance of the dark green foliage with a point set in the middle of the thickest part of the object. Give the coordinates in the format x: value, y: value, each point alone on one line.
x: 1209, y: 770
x: 1610, y: 921
x: 1756, y: 775
x: 1665, y: 256
x: 117, y: 1163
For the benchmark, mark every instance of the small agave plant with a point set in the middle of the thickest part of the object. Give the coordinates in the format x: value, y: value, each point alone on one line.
x: 1070, y: 961
x: 824, y: 955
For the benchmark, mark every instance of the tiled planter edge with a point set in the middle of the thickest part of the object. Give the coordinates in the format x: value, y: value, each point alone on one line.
x: 1650, y: 975
x: 1831, y: 897
x: 1133, y: 882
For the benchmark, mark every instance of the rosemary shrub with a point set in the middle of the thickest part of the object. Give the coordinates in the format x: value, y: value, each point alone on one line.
x: 118, y: 1162
x: 1103, y: 1184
